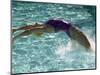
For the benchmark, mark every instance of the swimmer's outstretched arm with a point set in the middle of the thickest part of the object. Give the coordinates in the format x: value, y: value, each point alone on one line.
x: 22, y: 28
x: 25, y: 33
x: 37, y: 31
x: 28, y: 27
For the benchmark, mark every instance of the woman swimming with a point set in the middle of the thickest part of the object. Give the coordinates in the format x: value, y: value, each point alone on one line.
x: 55, y: 25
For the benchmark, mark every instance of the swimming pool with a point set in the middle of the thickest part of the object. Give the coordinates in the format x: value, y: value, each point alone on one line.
x: 51, y: 52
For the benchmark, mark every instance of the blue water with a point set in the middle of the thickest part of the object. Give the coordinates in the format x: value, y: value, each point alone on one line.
x: 51, y: 52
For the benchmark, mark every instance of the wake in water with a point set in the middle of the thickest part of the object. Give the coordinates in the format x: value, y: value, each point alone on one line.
x: 73, y: 45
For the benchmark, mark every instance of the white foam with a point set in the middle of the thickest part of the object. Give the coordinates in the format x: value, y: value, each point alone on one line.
x: 62, y: 49
x: 73, y: 45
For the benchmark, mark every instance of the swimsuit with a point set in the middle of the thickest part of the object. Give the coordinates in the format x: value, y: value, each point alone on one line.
x: 59, y: 25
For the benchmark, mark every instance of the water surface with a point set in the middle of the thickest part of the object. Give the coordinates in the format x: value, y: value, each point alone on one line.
x: 51, y: 52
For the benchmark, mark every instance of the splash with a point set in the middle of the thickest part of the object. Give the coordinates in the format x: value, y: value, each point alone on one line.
x: 62, y: 49
x: 73, y: 45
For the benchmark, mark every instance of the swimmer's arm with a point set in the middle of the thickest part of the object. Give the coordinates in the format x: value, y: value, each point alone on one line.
x: 38, y: 31
x: 22, y: 28
x: 28, y: 27
x: 25, y: 33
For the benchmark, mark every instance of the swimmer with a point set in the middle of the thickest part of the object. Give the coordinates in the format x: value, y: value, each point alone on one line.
x: 55, y: 25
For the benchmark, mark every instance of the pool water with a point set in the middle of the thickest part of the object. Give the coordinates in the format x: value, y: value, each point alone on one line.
x: 51, y: 51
